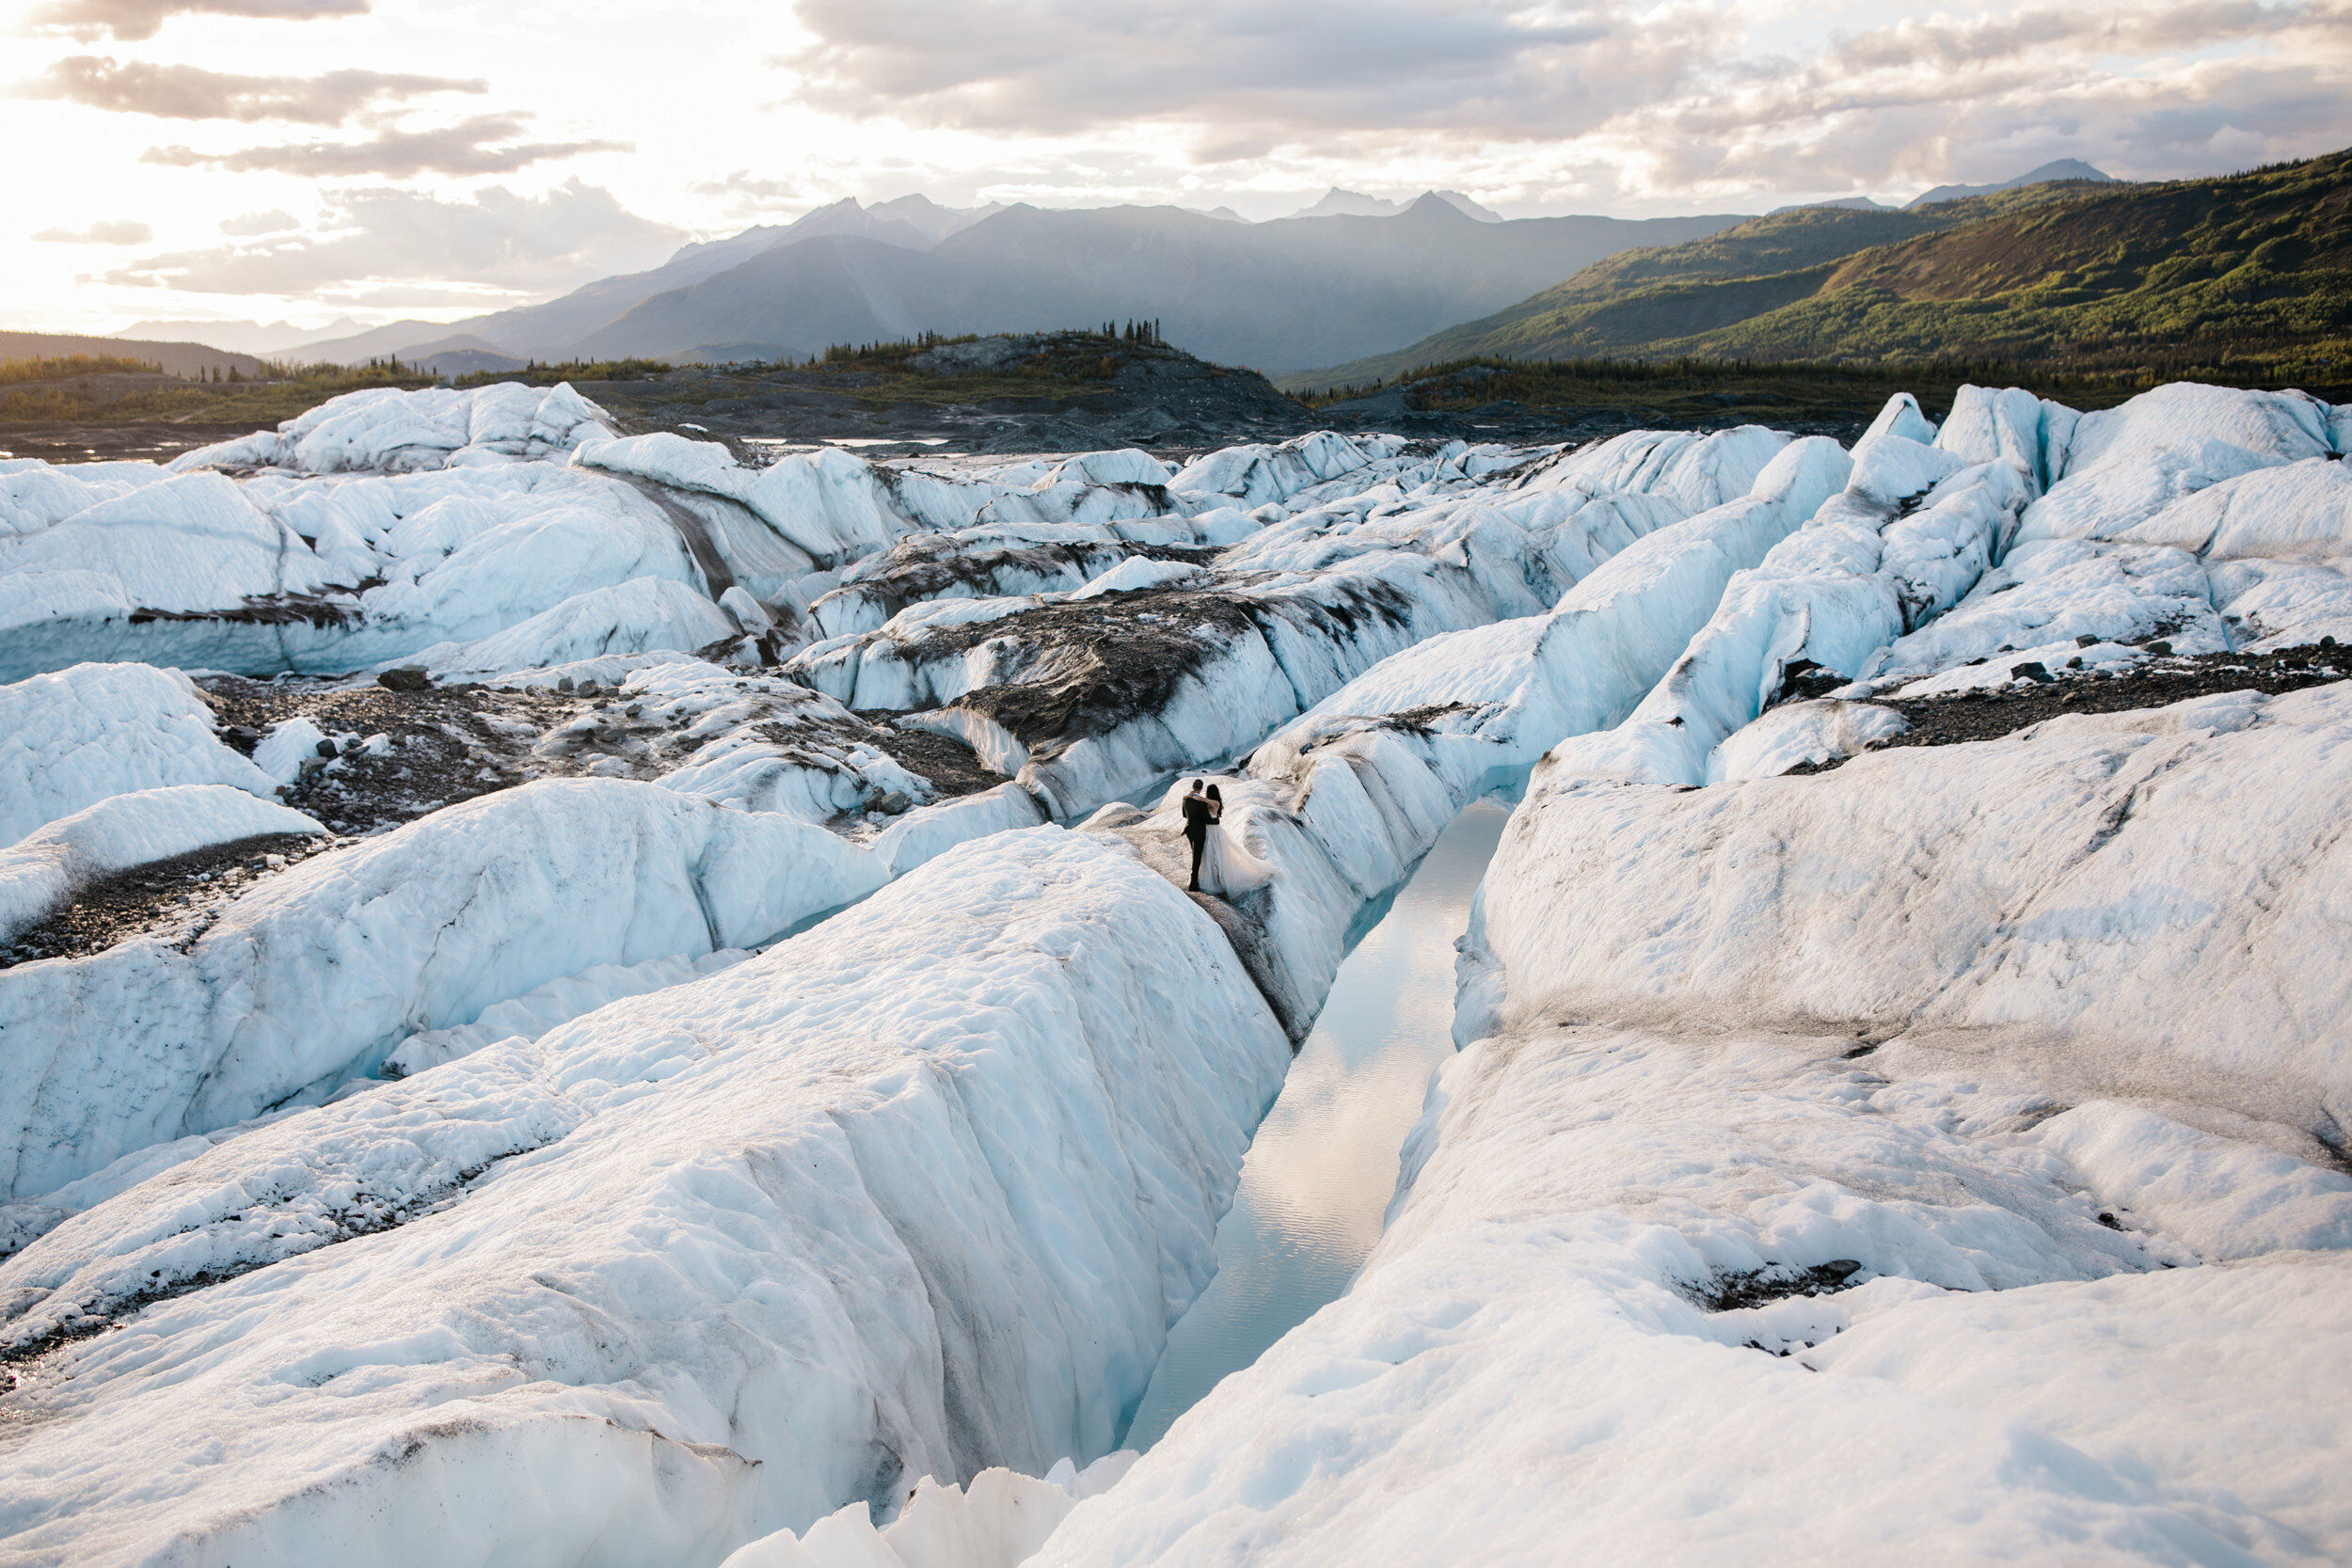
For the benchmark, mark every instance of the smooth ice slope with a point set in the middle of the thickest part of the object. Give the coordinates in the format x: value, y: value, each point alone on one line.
x: 310, y: 979
x: 917, y: 1191
x: 645, y: 615
x: 74, y: 738
x: 2131, y: 884
x: 1521, y: 1373
x: 1000, y: 1520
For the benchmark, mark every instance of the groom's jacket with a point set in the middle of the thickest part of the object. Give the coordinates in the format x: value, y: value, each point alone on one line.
x: 1196, y: 817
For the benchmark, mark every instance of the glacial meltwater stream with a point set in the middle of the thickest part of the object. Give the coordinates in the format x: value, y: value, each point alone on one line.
x: 1324, y: 1164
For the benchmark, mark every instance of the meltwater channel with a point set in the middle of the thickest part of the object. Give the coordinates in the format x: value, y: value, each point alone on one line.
x: 1323, y: 1166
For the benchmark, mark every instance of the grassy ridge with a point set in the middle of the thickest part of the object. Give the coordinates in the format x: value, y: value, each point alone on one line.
x: 1716, y: 391
x: 248, y: 404
x: 2243, y: 278
x: 72, y: 366
x: 1056, y: 367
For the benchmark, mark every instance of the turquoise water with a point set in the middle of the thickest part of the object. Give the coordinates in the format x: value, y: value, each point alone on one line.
x: 1323, y: 1166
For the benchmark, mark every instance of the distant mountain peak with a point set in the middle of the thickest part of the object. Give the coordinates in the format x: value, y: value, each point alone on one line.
x: 1461, y: 203
x: 2062, y: 169
x: 241, y: 337
x: 1857, y: 203
x: 934, y: 220
x: 1338, y: 203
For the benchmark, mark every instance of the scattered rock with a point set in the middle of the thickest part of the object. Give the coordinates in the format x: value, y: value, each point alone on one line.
x: 407, y: 679
x: 1985, y: 713
x: 1728, y: 1293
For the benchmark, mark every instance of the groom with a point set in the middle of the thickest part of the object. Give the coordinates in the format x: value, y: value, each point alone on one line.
x: 1197, y: 818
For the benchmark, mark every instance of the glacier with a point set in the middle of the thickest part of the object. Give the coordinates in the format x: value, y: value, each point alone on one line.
x: 730, y: 1074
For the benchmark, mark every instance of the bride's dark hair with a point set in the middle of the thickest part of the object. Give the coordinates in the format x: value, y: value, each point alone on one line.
x: 1218, y: 795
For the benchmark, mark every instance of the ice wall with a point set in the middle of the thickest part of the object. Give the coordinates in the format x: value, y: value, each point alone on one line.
x: 915, y: 1193
x: 309, y: 979
x: 1733, y: 1046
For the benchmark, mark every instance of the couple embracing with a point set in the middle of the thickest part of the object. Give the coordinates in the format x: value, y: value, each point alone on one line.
x: 1220, y: 864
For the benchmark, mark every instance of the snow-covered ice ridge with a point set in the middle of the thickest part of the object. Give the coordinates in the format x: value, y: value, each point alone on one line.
x: 519, y: 1176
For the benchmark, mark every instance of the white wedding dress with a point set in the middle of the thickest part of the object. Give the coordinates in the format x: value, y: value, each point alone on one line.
x: 1228, y: 869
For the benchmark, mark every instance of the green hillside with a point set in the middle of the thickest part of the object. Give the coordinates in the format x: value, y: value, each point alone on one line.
x: 2245, y: 275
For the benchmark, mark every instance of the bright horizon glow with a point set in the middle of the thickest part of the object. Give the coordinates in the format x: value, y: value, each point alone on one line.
x: 422, y: 159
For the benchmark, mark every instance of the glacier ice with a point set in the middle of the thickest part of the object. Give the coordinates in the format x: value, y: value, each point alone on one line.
x: 309, y: 979
x: 481, y: 1177
x: 1756, y: 1059
x: 1001, y: 1519
x: 917, y: 1192
x: 47, y: 866
x: 72, y: 740
x: 385, y: 429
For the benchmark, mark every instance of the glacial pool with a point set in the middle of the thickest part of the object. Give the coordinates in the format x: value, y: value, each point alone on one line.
x: 1323, y: 1166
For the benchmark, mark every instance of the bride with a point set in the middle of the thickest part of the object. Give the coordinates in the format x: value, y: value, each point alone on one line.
x: 1228, y: 868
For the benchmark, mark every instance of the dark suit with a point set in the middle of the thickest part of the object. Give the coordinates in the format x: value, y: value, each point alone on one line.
x: 1197, y: 820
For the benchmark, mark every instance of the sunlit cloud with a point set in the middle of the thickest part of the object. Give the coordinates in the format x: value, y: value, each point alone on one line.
x: 251, y: 224
x: 189, y: 92
x: 140, y: 18
x: 120, y: 232
x: 494, y: 240
x: 464, y: 149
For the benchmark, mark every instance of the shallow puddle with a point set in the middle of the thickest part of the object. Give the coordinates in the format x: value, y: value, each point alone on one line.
x: 1323, y: 1166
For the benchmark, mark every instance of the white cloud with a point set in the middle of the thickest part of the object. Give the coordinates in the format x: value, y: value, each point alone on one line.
x: 272, y: 222
x: 117, y: 231
x: 191, y: 92
x: 1249, y: 74
x: 464, y: 149
x: 1609, y: 103
x: 376, y: 237
x: 140, y: 18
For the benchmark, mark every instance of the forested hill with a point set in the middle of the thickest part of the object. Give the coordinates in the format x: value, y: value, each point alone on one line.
x: 2175, y: 277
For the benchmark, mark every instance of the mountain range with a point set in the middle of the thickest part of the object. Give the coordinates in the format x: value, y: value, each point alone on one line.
x: 1340, y: 285
x: 264, y: 338
x: 1280, y: 294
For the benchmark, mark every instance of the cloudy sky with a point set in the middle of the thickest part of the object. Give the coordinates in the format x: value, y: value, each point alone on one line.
x: 308, y: 159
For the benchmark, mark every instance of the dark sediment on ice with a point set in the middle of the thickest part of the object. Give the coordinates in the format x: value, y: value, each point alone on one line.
x: 1987, y: 714
x: 448, y: 745
x: 176, y: 898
